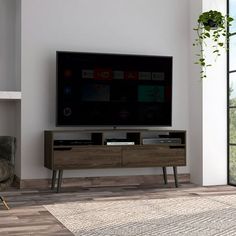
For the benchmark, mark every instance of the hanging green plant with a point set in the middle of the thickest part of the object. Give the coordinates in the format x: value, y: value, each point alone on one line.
x: 212, y: 25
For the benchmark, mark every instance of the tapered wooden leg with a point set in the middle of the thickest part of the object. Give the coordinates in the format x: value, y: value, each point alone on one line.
x: 59, y: 181
x: 4, y: 203
x: 164, y: 174
x: 176, y: 176
x: 54, y: 176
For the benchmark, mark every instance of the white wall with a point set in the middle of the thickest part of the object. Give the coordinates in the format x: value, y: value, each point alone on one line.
x: 214, y: 110
x: 18, y: 86
x: 7, y: 45
x: 207, y: 107
x: 31, y: 34
x: 7, y: 118
x: 195, y: 100
x: 117, y: 26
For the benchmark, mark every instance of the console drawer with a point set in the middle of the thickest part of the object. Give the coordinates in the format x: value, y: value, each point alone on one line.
x: 84, y: 157
x: 153, y: 155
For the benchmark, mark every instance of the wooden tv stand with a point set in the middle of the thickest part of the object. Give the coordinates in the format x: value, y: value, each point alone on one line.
x: 90, y: 149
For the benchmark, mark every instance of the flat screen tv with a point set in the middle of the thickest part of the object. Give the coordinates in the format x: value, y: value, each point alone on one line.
x: 98, y: 89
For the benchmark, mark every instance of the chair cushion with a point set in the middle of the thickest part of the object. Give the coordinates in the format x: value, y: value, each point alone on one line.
x: 7, y: 148
x: 6, y: 170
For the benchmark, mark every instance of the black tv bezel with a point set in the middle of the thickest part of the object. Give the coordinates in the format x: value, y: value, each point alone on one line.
x: 115, y: 125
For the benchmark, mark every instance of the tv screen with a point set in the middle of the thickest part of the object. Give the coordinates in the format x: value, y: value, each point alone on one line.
x: 96, y: 89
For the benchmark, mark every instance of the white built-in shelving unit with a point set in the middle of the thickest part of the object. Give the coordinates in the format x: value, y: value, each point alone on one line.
x: 10, y: 76
x: 10, y: 95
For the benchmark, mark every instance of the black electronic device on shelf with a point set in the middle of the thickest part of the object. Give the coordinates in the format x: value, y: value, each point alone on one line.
x: 73, y: 142
x: 96, y: 89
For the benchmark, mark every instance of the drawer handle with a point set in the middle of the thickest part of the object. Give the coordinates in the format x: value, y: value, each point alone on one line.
x: 176, y: 147
x: 62, y: 149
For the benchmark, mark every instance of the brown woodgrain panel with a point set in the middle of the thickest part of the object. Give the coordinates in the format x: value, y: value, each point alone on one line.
x: 153, y: 155
x: 100, y: 156
x: 48, y: 149
x: 84, y: 157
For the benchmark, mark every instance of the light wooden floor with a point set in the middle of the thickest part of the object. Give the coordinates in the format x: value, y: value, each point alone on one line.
x: 28, y: 216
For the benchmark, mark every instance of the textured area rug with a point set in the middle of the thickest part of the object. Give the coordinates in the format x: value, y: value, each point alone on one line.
x: 198, y: 216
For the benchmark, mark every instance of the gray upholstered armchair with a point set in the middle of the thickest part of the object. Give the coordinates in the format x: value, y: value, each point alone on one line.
x: 7, y: 159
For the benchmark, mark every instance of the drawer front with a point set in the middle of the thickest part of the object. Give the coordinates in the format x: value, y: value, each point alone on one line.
x: 87, y: 157
x: 150, y: 156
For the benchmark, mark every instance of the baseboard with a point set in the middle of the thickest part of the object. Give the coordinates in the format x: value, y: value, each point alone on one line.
x: 104, y: 181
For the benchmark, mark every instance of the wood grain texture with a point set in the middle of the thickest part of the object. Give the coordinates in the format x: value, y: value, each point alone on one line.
x: 28, y: 216
x: 153, y: 155
x: 48, y: 149
x: 103, y: 156
x: 85, y: 157
x: 98, y: 155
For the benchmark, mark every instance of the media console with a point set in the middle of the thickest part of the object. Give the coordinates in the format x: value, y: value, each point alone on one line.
x: 91, y: 149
